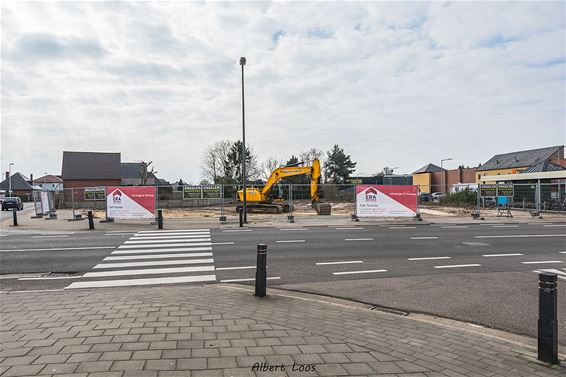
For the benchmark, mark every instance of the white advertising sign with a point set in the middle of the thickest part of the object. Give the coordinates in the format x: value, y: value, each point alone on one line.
x: 44, y: 202
x: 386, y: 201
x: 130, y: 202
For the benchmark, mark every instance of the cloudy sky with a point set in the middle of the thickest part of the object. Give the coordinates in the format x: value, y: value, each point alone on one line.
x: 394, y: 84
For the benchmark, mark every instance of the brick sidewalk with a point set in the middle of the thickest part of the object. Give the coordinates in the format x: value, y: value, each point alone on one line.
x: 219, y: 330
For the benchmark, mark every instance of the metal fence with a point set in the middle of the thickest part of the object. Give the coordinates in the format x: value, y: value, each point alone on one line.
x: 217, y: 200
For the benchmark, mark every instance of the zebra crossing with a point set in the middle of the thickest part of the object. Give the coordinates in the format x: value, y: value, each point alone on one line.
x: 153, y: 258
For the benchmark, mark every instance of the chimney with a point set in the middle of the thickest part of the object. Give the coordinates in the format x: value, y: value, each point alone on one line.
x: 31, y: 178
x: 7, y: 174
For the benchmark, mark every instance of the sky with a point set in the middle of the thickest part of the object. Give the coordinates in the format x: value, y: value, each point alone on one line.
x: 395, y: 84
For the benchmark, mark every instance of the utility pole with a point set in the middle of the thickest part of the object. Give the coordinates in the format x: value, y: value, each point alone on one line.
x: 243, y: 63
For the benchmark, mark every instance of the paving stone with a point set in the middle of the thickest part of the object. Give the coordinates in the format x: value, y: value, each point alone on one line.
x: 18, y: 360
x: 94, y: 366
x: 146, y: 355
x: 116, y: 355
x: 23, y: 370
x: 80, y: 357
x: 51, y: 359
x: 127, y: 365
x: 191, y: 364
x: 59, y: 368
x: 163, y: 364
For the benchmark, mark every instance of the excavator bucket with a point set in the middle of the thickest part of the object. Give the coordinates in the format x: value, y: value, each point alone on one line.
x: 322, y: 209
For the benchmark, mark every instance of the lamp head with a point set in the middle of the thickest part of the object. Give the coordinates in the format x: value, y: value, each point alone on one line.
x: 242, y: 61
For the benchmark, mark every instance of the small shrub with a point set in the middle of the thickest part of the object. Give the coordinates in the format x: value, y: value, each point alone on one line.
x: 464, y: 198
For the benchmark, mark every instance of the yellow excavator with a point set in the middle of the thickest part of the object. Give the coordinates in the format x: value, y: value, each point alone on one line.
x: 262, y: 201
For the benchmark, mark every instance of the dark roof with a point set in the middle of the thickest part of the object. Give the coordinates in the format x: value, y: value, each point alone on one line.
x: 162, y: 182
x: 132, y: 170
x: 429, y: 168
x: 90, y: 165
x: 519, y: 159
x: 19, y: 183
x: 48, y: 179
x: 543, y: 167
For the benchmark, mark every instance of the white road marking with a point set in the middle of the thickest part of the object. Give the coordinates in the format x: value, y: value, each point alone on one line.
x: 61, y: 248
x: 235, y: 268
x: 344, y: 262
x: 562, y: 252
x: 543, y: 261
x: 502, y: 255
x: 554, y: 225
x: 290, y: 241
x: 459, y: 265
x: 248, y: 279
x: 118, y: 234
x: 168, y: 245
x: 402, y: 227
x: 428, y: 258
x: 172, y: 250
x: 158, y: 256
x: 173, y: 231
x: 293, y: 229
x: 52, y: 278
x: 505, y: 226
x: 153, y: 263
x: 424, y: 238
x: 454, y: 227
x: 237, y: 230
x: 58, y: 236
x: 149, y: 271
x: 524, y: 236
x: 223, y: 243
x: 358, y: 239
x: 350, y: 228
x: 131, y: 282
x: 122, y: 231
x: 173, y: 236
x: 357, y: 272
x: 167, y: 241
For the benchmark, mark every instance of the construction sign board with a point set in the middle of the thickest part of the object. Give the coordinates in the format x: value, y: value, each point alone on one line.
x: 386, y: 201
x: 95, y: 193
x: 201, y: 191
x: 494, y: 190
x: 131, y: 202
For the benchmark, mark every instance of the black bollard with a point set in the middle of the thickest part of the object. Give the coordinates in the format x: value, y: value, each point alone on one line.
x: 240, y: 210
x: 261, y: 271
x: 159, y: 219
x: 90, y: 220
x: 15, y: 217
x: 547, y: 319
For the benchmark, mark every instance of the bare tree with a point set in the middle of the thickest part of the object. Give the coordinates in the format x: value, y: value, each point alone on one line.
x: 307, y: 156
x: 215, y: 162
x: 145, y: 172
x: 268, y: 166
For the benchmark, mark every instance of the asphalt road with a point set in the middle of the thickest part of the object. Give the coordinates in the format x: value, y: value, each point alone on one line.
x: 480, y: 273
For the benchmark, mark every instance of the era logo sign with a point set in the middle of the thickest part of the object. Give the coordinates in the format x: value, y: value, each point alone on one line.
x: 371, y: 195
x: 117, y: 197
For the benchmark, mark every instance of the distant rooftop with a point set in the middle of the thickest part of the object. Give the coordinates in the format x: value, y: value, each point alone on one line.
x: 520, y: 159
x: 429, y: 168
x: 132, y: 170
x: 90, y: 165
x: 544, y: 166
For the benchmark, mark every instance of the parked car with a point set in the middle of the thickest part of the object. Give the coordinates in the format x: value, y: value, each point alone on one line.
x: 436, y: 196
x: 425, y: 197
x: 12, y: 203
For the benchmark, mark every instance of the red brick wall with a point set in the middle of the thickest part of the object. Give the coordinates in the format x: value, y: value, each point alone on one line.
x: 466, y: 175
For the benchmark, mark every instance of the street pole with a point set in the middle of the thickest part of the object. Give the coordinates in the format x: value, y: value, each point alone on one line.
x: 243, y: 63
x: 10, y: 179
x: 443, y: 174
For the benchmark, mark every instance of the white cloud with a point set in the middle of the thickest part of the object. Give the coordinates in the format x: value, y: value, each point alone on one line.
x: 396, y: 84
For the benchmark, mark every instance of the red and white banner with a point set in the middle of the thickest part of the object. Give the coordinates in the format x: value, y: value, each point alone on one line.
x: 130, y: 202
x: 386, y: 201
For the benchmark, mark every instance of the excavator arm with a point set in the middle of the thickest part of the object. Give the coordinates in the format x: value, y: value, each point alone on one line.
x: 284, y: 172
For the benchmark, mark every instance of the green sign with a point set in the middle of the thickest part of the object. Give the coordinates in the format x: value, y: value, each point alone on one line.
x: 95, y: 193
x: 201, y: 192
x: 505, y: 189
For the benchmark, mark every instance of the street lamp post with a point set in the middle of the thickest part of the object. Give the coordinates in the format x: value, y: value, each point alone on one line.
x: 443, y: 174
x: 243, y: 63
x: 10, y: 179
